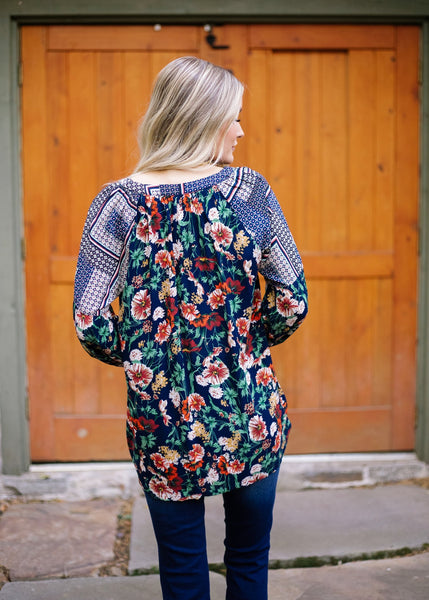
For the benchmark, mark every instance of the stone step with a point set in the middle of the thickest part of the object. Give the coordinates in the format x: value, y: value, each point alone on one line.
x: 313, y: 523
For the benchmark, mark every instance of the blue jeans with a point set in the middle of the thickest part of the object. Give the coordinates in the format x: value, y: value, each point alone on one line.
x: 181, y: 537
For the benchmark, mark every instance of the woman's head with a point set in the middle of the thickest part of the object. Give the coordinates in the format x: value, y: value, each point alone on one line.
x: 193, y: 105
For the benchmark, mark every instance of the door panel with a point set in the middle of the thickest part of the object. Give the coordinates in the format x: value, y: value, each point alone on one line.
x: 331, y: 119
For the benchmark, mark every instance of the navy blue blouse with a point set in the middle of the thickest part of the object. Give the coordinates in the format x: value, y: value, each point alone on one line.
x: 206, y: 413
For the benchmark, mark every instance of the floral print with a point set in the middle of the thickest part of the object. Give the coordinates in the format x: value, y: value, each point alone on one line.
x: 205, y: 413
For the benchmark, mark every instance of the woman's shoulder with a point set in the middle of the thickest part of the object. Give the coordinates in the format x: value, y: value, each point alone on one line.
x: 249, y: 175
x: 117, y: 191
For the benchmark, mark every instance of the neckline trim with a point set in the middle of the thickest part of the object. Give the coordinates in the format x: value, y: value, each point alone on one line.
x: 180, y: 188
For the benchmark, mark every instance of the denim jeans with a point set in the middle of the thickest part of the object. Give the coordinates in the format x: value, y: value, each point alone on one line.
x: 180, y: 533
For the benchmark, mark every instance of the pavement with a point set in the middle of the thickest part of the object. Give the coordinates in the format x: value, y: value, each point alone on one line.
x: 349, y: 527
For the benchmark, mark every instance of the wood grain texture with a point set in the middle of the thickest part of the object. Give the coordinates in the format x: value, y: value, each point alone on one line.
x: 37, y: 225
x: 405, y: 237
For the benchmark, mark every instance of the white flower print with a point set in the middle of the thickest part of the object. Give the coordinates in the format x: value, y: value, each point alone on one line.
x: 158, y: 313
x: 136, y: 355
x: 216, y: 392
x: 257, y: 429
x: 214, y: 214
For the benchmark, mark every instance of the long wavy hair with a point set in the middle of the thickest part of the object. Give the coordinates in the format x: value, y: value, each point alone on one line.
x: 193, y: 103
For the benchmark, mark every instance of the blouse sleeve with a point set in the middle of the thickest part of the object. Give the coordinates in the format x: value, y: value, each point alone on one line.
x: 101, y: 272
x: 285, y: 302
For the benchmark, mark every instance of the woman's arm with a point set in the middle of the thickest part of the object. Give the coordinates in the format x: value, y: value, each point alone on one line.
x: 101, y: 272
x: 285, y: 302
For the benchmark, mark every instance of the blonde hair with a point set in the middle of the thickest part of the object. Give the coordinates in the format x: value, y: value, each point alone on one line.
x: 192, y: 105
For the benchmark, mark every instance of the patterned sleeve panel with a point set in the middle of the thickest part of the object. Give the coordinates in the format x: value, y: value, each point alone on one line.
x: 285, y: 301
x: 101, y: 271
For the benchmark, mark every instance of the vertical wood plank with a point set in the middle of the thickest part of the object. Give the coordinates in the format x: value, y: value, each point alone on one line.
x: 406, y: 209
x: 58, y: 153
x: 282, y: 136
x: 307, y: 144
x: 63, y: 341
x: 361, y: 310
x: 361, y: 147
x: 37, y: 227
x: 257, y: 111
x: 334, y: 346
x: 82, y: 142
x: 384, y: 150
x: 383, y: 344
x: 302, y: 384
x: 110, y: 117
x: 333, y: 152
x: 84, y: 184
x: 137, y: 87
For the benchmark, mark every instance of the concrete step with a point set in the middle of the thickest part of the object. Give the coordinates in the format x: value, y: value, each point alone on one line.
x: 396, y: 579
x: 334, y: 523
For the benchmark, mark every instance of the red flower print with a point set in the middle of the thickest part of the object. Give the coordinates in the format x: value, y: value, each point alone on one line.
x: 164, y: 330
x: 196, y: 206
x: 195, y: 402
x: 189, y: 346
x: 155, y: 217
x: 221, y: 234
x: 235, y: 467
x: 171, y: 307
x: 162, y: 490
x: 173, y: 478
x: 243, y: 325
x: 205, y: 264
x: 245, y: 360
x: 226, y: 468
x: 83, y: 321
x: 139, y: 375
x: 209, y: 321
x: 189, y: 311
x: 192, y: 204
x: 256, y: 304
x: 232, y: 286
x: 257, y: 429
x: 216, y: 372
x: 163, y: 258
x: 142, y: 230
x: 148, y: 425
x: 143, y: 424
x: 160, y: 462
x: 222, y: 465
x: 141, y: 305
x: 197, y: 453
x: 277, y: 441
x: 287, y: 305
x: 213, y: 320
x: 216, y: 299
x: 196, y: 456
x: 264, y: 376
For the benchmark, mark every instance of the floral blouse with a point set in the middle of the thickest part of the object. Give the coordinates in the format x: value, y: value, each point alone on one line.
x: 205, y: 413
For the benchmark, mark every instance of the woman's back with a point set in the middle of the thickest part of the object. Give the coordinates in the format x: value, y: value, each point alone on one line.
x: 203, y: 402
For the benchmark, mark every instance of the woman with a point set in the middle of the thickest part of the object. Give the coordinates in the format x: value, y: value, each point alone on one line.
x: 181, y: 242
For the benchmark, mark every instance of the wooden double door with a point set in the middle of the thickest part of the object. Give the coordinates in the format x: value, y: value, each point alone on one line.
x: 330, y: 116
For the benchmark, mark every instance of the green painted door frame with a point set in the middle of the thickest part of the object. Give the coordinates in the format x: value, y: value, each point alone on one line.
x: 14, y: 13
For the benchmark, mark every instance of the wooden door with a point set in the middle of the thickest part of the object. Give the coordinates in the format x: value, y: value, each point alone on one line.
x: 331, y: 119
